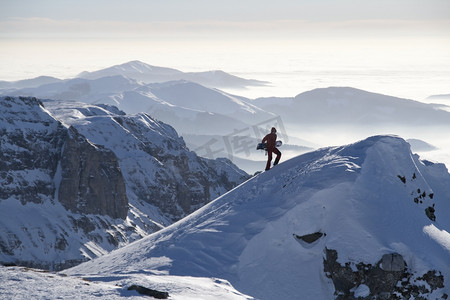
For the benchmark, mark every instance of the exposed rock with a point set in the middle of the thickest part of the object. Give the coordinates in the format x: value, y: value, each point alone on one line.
x: 429, y: 211
x: 9, y: 244
x: 419, y: 197
x: 34, y: 144
x: 310, y: 238
x: 30, y: 147
x: 392, y: 262
x: 388, y: 279
x: 402, y: 178
x: 91, y: 180
x: 61, y: 242
x: 149, y: 292
x: 433, y: 279
x: 83, y: 223
x: 44, y: 163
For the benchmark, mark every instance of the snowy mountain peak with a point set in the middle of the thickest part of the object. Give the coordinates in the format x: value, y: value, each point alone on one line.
x: 133, y: 69
x: 355, y: 205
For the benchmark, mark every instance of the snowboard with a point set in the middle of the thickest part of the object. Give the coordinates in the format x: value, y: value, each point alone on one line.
x: 263, y: 146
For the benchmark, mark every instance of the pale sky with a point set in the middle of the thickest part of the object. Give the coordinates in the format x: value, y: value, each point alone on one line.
x: 231, y: 10
x: 64, y: 37
x: 140, y: 18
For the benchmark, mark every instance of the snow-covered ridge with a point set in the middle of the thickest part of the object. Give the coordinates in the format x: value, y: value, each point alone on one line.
x: 368, y: 201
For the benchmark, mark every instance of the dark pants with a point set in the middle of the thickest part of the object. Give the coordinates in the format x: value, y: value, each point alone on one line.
x: 269, y: 157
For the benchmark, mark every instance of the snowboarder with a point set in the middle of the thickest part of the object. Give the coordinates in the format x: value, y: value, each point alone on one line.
x: 271, y: 139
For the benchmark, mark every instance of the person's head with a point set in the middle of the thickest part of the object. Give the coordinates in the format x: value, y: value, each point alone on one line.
x: 274, y: 130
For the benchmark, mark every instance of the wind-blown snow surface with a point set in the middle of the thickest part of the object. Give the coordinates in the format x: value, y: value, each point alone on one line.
x: 362, y: 196
x: 23, y: 283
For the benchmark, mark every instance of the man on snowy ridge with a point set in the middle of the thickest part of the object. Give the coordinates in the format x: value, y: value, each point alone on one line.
x: 271, y: 140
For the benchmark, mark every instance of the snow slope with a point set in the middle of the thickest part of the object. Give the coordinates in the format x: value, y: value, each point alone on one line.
x: 24, y: 283
x: 368, y: 198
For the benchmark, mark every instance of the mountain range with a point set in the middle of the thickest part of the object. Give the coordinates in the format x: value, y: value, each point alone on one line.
x: 151, y: 74
x: 201, y: 113
x: 147, y: 74
x: 79, y: 180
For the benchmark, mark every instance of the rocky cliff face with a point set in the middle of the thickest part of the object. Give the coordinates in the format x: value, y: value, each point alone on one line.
x: 80, y: 181
x: 51, y: 168
x: 91, y: 181
x: 37, y: 150
x: 31, y: 141
x: 158, y: 168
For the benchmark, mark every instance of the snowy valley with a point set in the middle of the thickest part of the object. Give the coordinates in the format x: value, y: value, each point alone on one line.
x: 137, y: 176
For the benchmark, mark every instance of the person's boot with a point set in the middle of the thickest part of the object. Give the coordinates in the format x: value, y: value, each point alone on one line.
x: 276, y: 161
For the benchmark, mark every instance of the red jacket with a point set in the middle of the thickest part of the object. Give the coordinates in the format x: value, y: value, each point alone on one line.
x: 271, y: 139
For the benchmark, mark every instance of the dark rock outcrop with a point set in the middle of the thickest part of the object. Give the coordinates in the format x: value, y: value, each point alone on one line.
x: 392, y: 262
x: 388, y: 279
x: 149, y: 292
x: 44, y: 164
x: 310, y: 238
x: 35, y: 146
x: 91, y: 181
x: 30, y: 148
